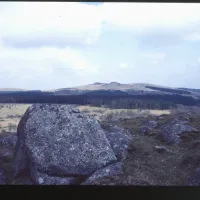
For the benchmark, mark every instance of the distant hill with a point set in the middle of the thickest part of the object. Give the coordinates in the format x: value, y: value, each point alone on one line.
x: 131, y: 89
x: 11, y: 89
x: 113, y: 94
x: 189, y: 89
x: 112, y: 89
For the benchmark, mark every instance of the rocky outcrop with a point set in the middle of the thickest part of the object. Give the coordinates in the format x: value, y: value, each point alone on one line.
x: 119, y: 140
x: 57, y: 141
x: 171, y: 131
x: 111, y: 170
x: 147, y: 127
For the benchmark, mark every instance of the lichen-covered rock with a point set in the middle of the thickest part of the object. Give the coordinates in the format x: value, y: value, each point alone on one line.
x: 119, y: 140
x: 60, y: 141
x: 148, y: 126
x: 171, y: 131
x: 111, y: 170
x: 179, y: 127
x: 194, y: 180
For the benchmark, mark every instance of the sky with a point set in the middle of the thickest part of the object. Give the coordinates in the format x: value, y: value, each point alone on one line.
x: 50, y: 45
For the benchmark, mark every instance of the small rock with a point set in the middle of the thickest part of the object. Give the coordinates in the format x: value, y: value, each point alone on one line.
x: 111, y: 170
x: 40, y: 178
x: 172, y: 130
x: 161, y: 149
x: 194, y: 180
x: 147, y: 127
x: 129, y: 179
x: 2, y: 177
x: 119, y: 140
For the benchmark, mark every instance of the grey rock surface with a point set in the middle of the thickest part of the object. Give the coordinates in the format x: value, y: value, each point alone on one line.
x: 194, y: 180
x: 148, y: 126
x: 60, y: 141
x: 119, y: 140
x: 2, y: 177
x: 171, y: 131
x: 162, y: 149
x: 111, y: 170
x: 40, y: 178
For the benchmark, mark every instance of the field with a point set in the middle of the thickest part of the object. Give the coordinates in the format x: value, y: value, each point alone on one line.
x: 101, y: 113
x: 10, y: 115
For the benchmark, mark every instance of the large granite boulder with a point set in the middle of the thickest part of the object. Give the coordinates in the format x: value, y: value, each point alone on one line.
x: 58, y: 140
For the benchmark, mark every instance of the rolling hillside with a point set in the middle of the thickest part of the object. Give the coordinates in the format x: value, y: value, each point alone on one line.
x: 131, y: 89
x: 112, y: 88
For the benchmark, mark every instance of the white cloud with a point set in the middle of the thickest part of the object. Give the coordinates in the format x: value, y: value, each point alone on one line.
x: 75, y: 22
x: 154, y: 61
x: 153, y: 58
x: 154, y: 55
x: 193, y: 37
x: 52, y: 20
x: 48, y: 64
x: 145, y: 15
x: 42, y: 28
x: 43, y: 62
x: 123, y: 65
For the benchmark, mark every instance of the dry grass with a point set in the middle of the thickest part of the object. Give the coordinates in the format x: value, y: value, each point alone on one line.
x: 101, y: 113
x: 11, y: 114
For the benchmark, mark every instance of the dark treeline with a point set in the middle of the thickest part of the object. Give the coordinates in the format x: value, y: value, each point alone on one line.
x: 179, y: 91
x: 127, y: 102
x: 143, y: 101
x: 24, y: 93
